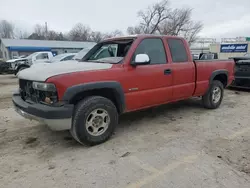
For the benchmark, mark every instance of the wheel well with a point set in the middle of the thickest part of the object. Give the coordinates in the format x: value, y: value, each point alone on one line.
x: 22, y: 65
x: 222, y: 78
x: 104, y: 92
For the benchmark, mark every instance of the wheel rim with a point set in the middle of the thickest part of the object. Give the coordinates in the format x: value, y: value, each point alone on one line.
x: 97, y: 122
x: 216, y: 95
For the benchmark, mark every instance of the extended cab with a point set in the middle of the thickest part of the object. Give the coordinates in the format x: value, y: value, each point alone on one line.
x: 138, y: 72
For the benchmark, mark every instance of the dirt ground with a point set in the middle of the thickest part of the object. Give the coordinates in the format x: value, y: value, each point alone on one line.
x: 177, y: 145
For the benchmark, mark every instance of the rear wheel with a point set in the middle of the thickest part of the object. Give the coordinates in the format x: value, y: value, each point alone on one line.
x: 212, y: 99
x: 94, y: 120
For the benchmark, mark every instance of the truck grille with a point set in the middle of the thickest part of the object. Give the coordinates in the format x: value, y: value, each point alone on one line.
x: 26, y: 90
x: 28, y: 93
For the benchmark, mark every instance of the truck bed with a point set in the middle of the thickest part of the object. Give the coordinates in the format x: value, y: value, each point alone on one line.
x: 204, y: 69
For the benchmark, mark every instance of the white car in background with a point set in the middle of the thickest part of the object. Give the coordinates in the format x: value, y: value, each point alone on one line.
x: 65, y: 57
x: 24, y: 63
x: 61, y: 57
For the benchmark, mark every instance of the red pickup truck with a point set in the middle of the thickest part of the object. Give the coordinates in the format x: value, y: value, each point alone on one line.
x: 116, y: 76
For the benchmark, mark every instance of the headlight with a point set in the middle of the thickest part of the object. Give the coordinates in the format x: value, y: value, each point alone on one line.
x: 44, y: 86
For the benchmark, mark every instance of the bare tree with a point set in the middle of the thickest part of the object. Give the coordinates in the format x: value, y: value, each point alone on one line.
x: 43, y: 33
x: 80, y: 32
x: 180, y: 23
x: 160, y: 18
x: 151, y: 18
x: 39, y: 33
x: 96, y: 36
x: 115, y: 33
x: 135, y: 30
x: 6, y: 29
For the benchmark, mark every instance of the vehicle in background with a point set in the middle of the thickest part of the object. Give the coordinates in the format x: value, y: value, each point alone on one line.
x: 208, y: 56
x: 76, y: 57
x: 247, y: 55
x: 205, y: 56
x: 117, y: 76
x: 55, y: 59
x: 242, y: 72
x: 61, y: 57
x: 24, y: 63
x: 19, y: 57
x: 195, y: 56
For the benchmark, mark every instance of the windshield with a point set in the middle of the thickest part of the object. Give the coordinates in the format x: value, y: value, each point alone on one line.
x: 58, y: 57
x: 81, y: 54
x: 109, y: 52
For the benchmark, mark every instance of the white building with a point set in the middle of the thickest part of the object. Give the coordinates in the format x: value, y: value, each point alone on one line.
x: 11, y: 48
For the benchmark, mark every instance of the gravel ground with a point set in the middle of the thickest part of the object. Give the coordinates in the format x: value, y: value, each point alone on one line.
x: 177, y: 145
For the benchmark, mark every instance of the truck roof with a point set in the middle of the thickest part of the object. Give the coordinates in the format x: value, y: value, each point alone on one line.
x: 139, y: 36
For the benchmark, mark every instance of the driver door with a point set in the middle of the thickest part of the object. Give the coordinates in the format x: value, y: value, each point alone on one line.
x: 151, y: 84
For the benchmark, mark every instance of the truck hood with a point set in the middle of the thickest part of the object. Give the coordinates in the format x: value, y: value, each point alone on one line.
x: 43, y: 72
x: 14, y: 60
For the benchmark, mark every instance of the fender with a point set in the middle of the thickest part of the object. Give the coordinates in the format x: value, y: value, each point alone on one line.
x: 71, y: 92
x: 218, y: 72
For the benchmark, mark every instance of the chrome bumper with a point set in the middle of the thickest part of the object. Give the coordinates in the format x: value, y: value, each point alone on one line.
x: 53, y: 124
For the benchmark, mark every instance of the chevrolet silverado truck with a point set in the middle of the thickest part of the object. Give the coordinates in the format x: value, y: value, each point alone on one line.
x: 138, y: 72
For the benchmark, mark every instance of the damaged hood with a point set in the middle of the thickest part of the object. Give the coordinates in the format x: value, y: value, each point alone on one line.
x: 43, y: 72
x: 14, y: 60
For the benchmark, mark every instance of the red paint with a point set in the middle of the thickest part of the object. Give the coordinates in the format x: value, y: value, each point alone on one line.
x: 154, y: 88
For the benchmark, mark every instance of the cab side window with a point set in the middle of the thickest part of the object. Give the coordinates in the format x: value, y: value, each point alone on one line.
x: 154, y: 49
x: 42, y: 56
x: 177, y: 50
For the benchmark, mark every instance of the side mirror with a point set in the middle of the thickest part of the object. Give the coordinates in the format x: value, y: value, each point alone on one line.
x: 141, y: 59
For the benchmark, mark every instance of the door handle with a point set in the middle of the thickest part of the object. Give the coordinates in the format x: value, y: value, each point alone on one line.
x: 167, y: 71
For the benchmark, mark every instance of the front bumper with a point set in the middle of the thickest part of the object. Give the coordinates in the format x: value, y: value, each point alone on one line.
x: 57, y: 118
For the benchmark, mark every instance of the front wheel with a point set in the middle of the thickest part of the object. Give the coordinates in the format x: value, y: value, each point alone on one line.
x: 212, y: 99
x: 94, y: 120
x: 20, y: 69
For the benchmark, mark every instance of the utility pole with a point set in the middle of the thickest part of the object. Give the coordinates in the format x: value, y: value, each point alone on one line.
x: 46, y: 30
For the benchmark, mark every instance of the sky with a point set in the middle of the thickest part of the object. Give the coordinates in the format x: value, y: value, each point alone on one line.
x: 221, y: 18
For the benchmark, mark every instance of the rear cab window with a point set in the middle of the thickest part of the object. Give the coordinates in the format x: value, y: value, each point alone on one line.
x: 178, y: 51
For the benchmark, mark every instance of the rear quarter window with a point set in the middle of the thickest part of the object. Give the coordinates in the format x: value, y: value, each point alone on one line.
x: 177, y: 50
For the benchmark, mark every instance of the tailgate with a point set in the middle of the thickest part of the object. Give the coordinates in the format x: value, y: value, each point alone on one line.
x: 242, y: 68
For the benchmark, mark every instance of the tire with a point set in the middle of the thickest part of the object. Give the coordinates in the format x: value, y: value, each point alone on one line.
x: 87, y: 115
x: 20, y: 69
x: 210, y: 100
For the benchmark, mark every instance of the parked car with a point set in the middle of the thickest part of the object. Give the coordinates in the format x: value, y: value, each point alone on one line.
x: 195, y: 56
x: 76, y: 57
x: 208, y: 56
x: 24, y: 63
x: 56, y: 59
x: 138, y: 72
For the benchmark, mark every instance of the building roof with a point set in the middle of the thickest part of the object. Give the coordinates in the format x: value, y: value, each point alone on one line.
x: 45, y: 43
